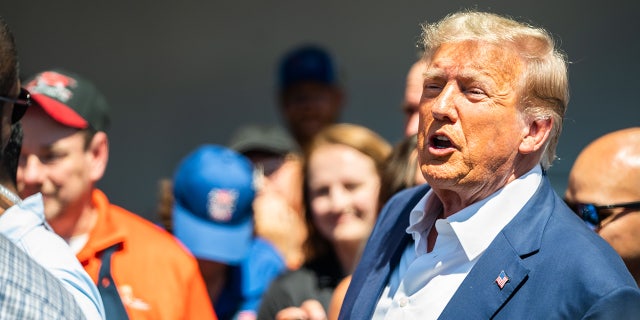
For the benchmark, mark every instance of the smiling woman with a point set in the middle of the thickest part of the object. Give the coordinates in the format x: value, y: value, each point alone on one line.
x: 342, y: 183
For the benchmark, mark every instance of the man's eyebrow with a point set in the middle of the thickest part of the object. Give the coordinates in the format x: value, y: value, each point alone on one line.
x: 478, y: 75
x: 465, y: 75
x: 433, y: 74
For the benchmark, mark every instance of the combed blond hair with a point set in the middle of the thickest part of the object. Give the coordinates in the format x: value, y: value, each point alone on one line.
x: 545, y: 85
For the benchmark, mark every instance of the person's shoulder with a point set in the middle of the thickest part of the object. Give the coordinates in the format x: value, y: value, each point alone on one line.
x: 135, y: 223
x: 293, y: 286
x: 567, y: 238
x: 317, y: 274
x: 262, y: 250
x: 48, y: 248
x: 262, y: 266
x: 29, y: 290
x: 144, y: 234
x: 565, y: 229
x: 299, y: 276
x: 589, y: 268
x: 263, y: 262
x: 120, y: 219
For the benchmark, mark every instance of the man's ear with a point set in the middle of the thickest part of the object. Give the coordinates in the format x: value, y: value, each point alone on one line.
x: 536, y: 135
x: 98, y: 153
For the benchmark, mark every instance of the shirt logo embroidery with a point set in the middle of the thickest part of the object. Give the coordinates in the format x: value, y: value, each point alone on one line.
x: 129, y: 300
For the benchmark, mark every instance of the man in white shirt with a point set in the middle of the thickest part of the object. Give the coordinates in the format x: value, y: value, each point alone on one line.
x: 490, y: 239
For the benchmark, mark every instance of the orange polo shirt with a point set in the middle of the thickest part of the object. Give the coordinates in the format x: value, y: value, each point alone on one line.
x: 156, y: 277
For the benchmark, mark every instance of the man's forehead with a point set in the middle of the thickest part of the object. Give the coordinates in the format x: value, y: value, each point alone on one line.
x: 473, y: 59
x: 37, y: 124
x: 475, y: 49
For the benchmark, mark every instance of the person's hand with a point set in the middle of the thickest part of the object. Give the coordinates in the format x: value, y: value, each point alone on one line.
x: 309, y: 310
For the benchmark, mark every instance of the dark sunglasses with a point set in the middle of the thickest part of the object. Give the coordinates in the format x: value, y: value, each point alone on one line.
x: 20, y: 104
x: 594, y: 215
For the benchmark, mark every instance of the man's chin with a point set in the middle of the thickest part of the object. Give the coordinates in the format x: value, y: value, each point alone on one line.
x: 51, y: 212
x: 439, y: 176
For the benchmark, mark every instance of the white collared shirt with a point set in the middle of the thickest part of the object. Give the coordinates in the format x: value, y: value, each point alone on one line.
x: 423, y: 283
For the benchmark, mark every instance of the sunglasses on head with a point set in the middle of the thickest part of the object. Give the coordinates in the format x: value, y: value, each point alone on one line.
x: 593, y: 215
x: 20, y: 104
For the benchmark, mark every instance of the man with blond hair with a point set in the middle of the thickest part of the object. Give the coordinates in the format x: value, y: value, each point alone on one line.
x: 488, y: 238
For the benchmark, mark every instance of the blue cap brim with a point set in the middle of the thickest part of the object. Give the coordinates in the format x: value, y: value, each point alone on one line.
x: 206, y: 240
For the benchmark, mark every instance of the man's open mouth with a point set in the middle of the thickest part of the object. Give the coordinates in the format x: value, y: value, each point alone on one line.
x: 441, y: 142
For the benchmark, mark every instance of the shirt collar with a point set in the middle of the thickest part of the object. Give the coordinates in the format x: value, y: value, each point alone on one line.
x: 21, y: 218
x: 478, y: 224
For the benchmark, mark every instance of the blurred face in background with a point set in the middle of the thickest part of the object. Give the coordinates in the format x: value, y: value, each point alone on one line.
x: 412, y: 96
x: 343, y: 191
x: 308, y: 107
x: 607, y: 172
x: 55, y: 162
x: 281, y: 174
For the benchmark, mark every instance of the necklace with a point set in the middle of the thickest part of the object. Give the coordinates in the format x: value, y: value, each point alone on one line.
x: 10, y: 195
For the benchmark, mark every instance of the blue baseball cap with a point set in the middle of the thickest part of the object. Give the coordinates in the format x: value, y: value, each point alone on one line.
x: 212, y: 213
x: 306, y: 63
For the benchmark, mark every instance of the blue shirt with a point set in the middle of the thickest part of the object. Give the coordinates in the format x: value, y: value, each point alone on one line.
x: 247, y: 282
x: 24, y: 224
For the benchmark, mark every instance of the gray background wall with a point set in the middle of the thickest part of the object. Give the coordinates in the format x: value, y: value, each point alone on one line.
x: 181, y: 73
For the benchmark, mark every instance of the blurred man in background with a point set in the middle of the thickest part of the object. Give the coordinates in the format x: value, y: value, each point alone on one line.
x: 310, y: 94
x: 142, y: 272
x: 604, y: 190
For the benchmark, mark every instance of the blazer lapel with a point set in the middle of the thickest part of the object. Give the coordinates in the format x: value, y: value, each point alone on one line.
x: 378, y: 260
x: 480, y: 296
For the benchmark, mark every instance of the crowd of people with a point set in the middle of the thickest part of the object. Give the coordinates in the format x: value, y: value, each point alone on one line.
x: 319, y: 219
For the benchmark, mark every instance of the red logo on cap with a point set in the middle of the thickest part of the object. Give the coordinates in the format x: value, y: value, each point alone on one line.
x: 52, y: 84
x: 55, y: 79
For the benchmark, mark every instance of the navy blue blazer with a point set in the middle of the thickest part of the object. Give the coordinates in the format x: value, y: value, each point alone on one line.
x: 558, y: 268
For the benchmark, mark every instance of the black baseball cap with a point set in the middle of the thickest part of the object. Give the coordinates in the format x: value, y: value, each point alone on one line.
x: 69, y: 99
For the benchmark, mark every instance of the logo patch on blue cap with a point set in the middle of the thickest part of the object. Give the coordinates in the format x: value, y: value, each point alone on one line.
x: 222, y: 204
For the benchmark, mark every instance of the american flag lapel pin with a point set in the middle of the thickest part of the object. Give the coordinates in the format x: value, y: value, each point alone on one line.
x: 502, y: 279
